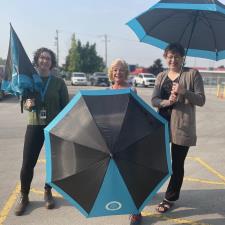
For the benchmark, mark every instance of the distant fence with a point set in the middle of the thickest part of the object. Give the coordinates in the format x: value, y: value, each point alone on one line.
x: 216, y: 84
x: 220, y: 93
x: 213, y: 81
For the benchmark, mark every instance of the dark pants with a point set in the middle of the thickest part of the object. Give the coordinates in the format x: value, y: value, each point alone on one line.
x: 179, y: 154
x: 34, y: 139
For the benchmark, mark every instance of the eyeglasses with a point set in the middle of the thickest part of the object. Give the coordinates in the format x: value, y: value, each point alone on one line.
x: 175, y: 57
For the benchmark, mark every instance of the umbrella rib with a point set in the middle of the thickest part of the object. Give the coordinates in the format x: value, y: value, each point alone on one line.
x: 211, y: 29
x: 164, y: 19
x: 137, y: 140
x: 168, y: 17
x: 187, y: 25
x: 138, y: 164
x: 99, y: 164
x: 97, y: 127
x: 123, y: 120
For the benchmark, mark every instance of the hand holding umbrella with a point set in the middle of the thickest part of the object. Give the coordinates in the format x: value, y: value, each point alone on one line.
x: 29, y: 103
x: 177, y: 89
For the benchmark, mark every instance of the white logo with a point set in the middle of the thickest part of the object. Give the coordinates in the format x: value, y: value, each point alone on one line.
x: 114, y: 205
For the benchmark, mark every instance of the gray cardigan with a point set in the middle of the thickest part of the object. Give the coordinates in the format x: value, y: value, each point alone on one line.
x: 183, y: 121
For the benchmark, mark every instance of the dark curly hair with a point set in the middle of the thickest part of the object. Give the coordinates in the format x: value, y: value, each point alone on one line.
x: 174, y: 48
x: 39, y: 51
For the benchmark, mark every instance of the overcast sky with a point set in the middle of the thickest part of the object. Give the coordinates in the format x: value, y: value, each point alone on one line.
x: 36, y: 22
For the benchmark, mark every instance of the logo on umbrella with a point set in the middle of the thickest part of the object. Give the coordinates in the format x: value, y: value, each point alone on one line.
x: 113, y: 205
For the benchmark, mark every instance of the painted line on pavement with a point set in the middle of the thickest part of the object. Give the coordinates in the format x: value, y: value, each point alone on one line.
x: 208, y: 167
x: 9, y: 204
x: 204, y: 181
x: 170, y: 219
x: 36, y: 191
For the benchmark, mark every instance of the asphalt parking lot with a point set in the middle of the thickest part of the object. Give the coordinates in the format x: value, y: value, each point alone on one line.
x: 203, y: 194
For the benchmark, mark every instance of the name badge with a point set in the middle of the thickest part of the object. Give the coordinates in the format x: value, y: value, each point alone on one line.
x: 43, y: 114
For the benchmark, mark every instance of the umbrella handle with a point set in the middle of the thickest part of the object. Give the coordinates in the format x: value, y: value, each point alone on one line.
x: 21, y: 104
x: 189, y: 41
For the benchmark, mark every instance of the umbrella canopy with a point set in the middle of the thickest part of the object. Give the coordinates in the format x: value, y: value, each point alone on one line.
x: 198, y: 25
x: 107, y: 152
x: 20, y: 76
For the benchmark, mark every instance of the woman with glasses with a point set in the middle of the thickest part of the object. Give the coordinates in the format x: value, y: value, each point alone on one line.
x: 51, y: 99
x: 176, y: 94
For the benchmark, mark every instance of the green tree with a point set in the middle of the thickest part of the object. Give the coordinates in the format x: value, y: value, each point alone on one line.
x: 83, y: 58
x: 2, y: 61
x: 156, y: 68
x: 89, y: 60
x: 73, y: 57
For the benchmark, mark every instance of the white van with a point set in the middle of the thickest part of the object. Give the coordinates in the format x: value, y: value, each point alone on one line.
x: 144, y: 79
x: 78, y: 78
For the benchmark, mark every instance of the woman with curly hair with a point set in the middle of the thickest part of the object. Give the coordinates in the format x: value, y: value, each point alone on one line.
x: 47, y: 103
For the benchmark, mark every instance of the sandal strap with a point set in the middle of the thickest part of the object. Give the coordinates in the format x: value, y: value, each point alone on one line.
x: 165, y: 205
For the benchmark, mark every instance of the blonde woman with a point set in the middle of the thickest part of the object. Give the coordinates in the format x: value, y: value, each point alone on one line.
x: 118, y: 74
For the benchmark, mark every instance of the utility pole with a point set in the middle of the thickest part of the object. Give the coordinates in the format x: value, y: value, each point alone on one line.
x: 57, y: 48
x: 106, y: 40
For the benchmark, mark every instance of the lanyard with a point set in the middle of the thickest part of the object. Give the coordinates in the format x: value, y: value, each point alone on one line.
x: 44, y: 89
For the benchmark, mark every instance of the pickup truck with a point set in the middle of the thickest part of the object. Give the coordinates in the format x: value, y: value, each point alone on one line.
x: 99, y: 79
x: 144, y: 79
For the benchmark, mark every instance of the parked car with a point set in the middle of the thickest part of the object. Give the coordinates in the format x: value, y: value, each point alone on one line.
x: 78, y: 78
x: 99, y: 79
x: 1, y: 94
x: 144, y: 79
x: 130, y: 79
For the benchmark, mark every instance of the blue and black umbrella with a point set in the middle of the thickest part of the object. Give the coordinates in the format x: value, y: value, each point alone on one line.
x: 20, y: 76
x: 107, y: 152
x: 198, y: 25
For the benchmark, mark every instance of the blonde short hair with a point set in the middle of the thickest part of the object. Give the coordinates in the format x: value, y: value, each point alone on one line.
x: 115, y: 63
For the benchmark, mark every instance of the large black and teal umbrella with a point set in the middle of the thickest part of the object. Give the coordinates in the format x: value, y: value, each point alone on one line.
x: 198, y: 25
x: 107, y: 152
x: 20, y: 76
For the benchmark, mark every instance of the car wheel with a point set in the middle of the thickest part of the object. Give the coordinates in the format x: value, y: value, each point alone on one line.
x: 143, y: 84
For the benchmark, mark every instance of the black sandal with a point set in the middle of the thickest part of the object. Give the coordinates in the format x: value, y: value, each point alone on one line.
x: 164, y: 206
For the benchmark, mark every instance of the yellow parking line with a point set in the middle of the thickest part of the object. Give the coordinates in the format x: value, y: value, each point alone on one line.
x: 174, y: 220
x: 190, y: 178
x: 203, y: 181
x: 36, y: 191
x: 10, y: 202
x: 209, y: 168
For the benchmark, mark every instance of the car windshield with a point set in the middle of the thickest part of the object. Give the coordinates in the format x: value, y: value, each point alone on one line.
x: 78, y: 75
x: 100, y: 74
x: 149, y: 76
